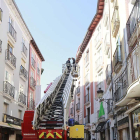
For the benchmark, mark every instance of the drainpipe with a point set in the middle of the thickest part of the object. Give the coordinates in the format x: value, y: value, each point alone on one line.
x: 28, y: 77
x: 111, y: 59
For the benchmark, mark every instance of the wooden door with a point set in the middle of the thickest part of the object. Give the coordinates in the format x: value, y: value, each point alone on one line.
x: 120, y: 135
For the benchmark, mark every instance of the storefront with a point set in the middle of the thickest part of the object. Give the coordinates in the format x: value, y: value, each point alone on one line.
x: 10, y: 128
x: 136, y: 124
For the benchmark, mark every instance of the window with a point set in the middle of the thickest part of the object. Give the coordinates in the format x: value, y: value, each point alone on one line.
x: 21, y: 89
x: 31, y: 95
x: 78, y: 70
x: 87, y: 57
x: 11, y: 21
x: 32, y: 74
x: 10, y: 49
x: 23, y: 41
x: 38, y: 83
x: 100, y: 76
x: 5, y: 108
x: 78, y: 118
x: 7, y: 76
x: 20, y: 114
x: 0, y: 46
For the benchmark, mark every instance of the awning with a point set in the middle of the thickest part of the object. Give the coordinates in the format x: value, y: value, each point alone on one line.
x: 10, y: 126
x: 100, y: 127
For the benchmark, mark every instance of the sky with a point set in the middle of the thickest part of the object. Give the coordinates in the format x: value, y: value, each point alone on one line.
x: 58, y: 27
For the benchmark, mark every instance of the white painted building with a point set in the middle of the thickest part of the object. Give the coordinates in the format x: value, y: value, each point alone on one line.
x: 14, y: 61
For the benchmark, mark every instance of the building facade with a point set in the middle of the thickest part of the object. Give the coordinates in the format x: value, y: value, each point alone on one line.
x: 15, y: 48
x: 109, y: 59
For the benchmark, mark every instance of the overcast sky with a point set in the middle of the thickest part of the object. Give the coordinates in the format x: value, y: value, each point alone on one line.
x: 58, y: 27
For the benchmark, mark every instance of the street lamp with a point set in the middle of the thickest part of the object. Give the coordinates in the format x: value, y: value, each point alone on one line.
x: 100, y: 96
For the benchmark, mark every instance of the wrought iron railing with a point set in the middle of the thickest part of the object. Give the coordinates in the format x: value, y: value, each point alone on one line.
x: 99, y: 62
x: 121, y: 85
x: 12, y: 31
x: 22, y: 98
x: 10, y: 57
x: 23, y: 72
x: 78, y: 106
x: 87, y: 98
x: 24, y: 49
x: 32, y: 82
x: 87, y: 119
x: 0, y: 46
x: 134, y: 19
x: 100, y: 85
x: 32, y: 62
x: 8, y: 89
x: 108, y: 71
x: 71, y: 111
x: 38, y: 71
x: 32, y: 104
x: 1, y: 14
x: 117, y: 58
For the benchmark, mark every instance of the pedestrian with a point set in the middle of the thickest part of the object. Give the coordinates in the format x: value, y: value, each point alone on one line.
x: 68, y: 63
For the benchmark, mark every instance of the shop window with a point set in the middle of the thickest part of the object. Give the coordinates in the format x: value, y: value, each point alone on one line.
x: 5, y: 108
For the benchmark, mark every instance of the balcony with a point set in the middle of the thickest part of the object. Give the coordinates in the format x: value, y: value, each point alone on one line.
x: 99, y: 63
x: 133, y: 24
x: 87, y: 79
x: 100, y: 85
x: 24, y: 50
x: 32, y: 104
x: 108, y: 74
x: 98, y: 40
x: 23, y: 73
x: 10, y: 59
x: 87, y: 119
x: 78, y: 90
x: 87, y: 58
x: 115, y: 21
x: 121, y: 84
x: 78, y: 106
x: 1, y: 13
x: 0, y: 46
x: 87, y: 99
x: 110, y: 108
x: 38, y: 71
x: 117, y: 59
x: 22, y: 98
x: 107, y: 42
x: 8, y: 89
x: 32, y: 83
x: 71, y: 111
x: 33, y: 62
x: 12, y: 32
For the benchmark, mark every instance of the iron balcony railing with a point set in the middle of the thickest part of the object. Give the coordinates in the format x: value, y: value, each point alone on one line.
x: 10, y: 57
x: 12, y: 31
x: 87, y: 119
x: 117, y: 58
x: 78, y: 106
x: 78, y: 90
x: 134, y: 19
x: 71, y: 111
x: 23, y: 72
x: 38, y: 71
x: 32, y: 82
x: 99, y: 62
x: 109, y: 106
x: 22, y: 98
x: 32, y: 104
x: 24, y: 49
x: 0, y: 46
x: 8, y: 89
x: 32, y: 62
x: 87, y: 98
x: 100, y: 85
x: 108, y: 72
x: 121, y: 85
x: 1, y: 12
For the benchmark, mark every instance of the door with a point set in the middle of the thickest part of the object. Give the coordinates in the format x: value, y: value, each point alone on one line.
x: 18, y: 137
x: 103, y: 135
x: 120, y: 135
x: 88, y: 112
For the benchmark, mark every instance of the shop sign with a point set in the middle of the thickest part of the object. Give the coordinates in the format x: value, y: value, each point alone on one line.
x: 12, y: 120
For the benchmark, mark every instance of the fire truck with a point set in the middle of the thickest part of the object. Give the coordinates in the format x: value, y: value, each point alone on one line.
x: 50, y: 120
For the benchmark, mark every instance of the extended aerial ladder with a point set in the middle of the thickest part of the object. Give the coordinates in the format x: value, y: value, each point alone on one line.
x: 50, y: 118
